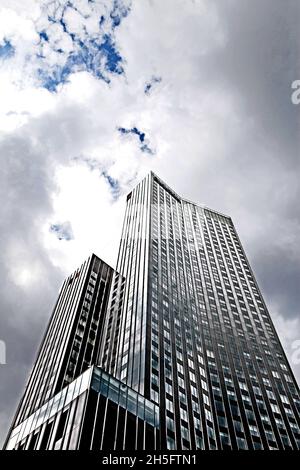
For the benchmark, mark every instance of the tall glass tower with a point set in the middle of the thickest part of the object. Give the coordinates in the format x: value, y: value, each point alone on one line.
x: 186, y: 333
x: 195, y: 335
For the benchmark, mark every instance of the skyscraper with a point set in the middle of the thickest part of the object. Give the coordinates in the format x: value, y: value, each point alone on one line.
x: 73, y: 336
x: 187, y: 333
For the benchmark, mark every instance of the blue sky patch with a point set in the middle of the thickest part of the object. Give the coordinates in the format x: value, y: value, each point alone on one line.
x: 62, y: 231
x: 43, y: 36
x: 119, y: 11
x: 145, y: 148
x: 7, y: 50
x: 113, y: 184
x: 133, y: 130
x: 113, y: 58
x: 97, y: 54
x: 95, y: 165
x: 55, y: 76
x: 141, y: 136
x: 91, y: 56
x: 149, y: 85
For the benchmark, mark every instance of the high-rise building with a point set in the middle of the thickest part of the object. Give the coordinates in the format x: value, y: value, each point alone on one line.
x: 187, y: 333
x: 73, y: 337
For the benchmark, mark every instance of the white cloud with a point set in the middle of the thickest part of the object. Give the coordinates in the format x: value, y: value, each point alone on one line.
x: 18, y: 27
x: 85, y: 199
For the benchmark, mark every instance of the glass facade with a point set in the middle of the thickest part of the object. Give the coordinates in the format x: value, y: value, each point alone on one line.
x: 196, y: 336
x: 73, y: 337
x: 95, y: 411
x: 128, y: 362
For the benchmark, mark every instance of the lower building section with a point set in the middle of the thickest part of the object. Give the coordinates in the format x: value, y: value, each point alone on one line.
x: 96, y: 412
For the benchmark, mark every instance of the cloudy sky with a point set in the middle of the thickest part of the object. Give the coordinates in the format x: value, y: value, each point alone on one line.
x: 94, y: 94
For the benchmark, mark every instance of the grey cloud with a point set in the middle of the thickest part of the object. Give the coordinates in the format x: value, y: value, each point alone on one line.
x: 259, y: 62
x: 29, y: 158
x: 25, y: 182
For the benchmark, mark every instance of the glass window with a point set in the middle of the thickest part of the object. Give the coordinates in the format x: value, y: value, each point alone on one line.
x: 132, y: 401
